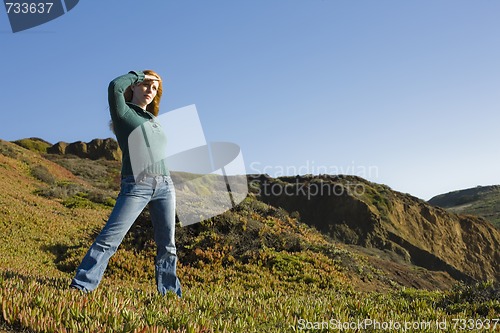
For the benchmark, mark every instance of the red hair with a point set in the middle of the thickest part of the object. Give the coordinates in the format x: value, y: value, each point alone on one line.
x: 154, y: 106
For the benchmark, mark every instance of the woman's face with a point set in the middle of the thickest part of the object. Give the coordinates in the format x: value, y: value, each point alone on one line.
x: 144, y: 92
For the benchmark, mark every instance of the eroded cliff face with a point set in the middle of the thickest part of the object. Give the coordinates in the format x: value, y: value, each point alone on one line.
x: 95, y: 149
x: 355, y: 211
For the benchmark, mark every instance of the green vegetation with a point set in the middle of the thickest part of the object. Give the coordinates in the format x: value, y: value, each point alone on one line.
x: 34, y: 144
x: 227, y: 300
x: 40, y: 172
x: 377, y: 195
x: 255, y: 268
x: 74, y: 195
x: 102, y: 174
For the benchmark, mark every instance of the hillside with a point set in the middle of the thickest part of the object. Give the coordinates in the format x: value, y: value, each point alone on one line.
x: 353, y: 210
x: 481, y: 201
x: 268, y: 265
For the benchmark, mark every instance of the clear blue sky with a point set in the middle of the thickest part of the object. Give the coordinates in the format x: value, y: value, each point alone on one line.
x: 403, y: 93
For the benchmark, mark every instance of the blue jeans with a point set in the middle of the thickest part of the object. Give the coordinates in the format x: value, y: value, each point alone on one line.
x: 159, y: 193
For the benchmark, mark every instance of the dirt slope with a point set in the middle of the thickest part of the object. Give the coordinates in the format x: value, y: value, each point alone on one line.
x: 355, y: 211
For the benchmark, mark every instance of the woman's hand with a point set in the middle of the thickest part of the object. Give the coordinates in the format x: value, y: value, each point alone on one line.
x: 149, y: 77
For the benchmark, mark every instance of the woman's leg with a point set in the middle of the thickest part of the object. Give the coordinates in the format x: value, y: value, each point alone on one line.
x: 162, y: 210
x: 129, y: 204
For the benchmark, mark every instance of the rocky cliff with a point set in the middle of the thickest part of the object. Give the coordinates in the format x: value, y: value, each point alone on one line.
x: 355, y: 211
x: 95, y: 149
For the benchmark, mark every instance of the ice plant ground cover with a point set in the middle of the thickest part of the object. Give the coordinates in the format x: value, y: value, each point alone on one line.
x: 255, y: 268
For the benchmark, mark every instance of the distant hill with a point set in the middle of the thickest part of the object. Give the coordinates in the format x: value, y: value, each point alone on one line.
x: 481, y: 201
x: 35, y: 144
x: 94, y: 150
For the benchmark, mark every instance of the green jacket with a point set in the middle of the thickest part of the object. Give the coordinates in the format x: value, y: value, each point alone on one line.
x: 140, y: 137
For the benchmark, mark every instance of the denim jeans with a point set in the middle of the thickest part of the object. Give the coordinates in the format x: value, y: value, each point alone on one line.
x: 159, y: 193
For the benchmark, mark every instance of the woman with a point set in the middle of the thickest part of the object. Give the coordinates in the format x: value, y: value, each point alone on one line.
x: 134, y: 100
